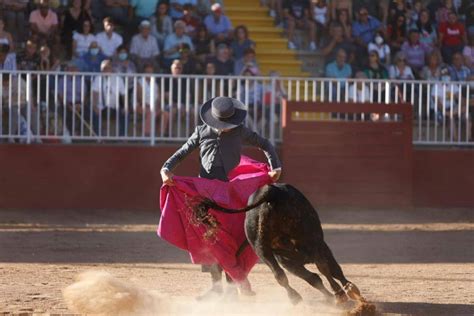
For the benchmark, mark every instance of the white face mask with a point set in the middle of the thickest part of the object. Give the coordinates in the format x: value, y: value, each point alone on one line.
x: 378, y: 40
x: 446, y: 78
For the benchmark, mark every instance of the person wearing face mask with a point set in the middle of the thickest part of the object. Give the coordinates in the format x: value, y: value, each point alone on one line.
x: 90, y: 61
x: 122, y: 62
x: 383, y: 49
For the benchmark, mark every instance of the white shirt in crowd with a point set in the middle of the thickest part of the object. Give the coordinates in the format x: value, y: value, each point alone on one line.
x: 112, y: 88
x: 144, y: 48
x: 145, y: 86
x: 83, y: 42
x: 107, y: 44
x: 442, y: 93
x: 406, y: 74
x: 383, y: 51
x: 358, y: 95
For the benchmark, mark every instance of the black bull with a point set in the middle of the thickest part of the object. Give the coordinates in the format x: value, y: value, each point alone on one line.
x: 284, y: 229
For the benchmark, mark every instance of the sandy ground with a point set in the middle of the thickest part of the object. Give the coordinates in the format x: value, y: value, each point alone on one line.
x: 405, y: 261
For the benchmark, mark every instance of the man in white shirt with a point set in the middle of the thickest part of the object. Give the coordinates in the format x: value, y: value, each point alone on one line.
x: 144, y: 48
x: 108, y: 91
x: 108, y: 40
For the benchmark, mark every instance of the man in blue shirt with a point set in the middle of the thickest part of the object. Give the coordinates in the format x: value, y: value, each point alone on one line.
x: 174, y: 43
x: 364, y: 29
x: 339, y: 68
x: 218, y: 25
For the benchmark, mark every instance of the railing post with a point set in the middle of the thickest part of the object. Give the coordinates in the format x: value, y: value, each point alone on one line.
x: 272, y: 111
x: 28, y: 108
x: 152, y: 105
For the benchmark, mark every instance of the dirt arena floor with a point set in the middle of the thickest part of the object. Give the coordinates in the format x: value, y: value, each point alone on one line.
x: 417, y: 262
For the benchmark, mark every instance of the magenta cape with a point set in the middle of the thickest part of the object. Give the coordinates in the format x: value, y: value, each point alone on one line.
x: 177, y: 228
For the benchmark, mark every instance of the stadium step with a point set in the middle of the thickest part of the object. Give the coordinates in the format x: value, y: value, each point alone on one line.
x: 251, y: 21
x: 243, y: 10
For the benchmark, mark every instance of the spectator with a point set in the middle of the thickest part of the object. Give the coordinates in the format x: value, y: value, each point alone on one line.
x: 175, y: 95
x: 252, y: 94
x: 320, y: 15
x: 458, y: 71
x: 203, y: 44
x: 414, y: 13
x: 441, y: 101
x: 223, y: 62
x: 14, y: 13
x: 432, y: 71
x: 338, y: 6
x: 177, y: 8
x: 241, y: 42
x: 5, y: 37
x: 161, y: 24
x: 144, y: 48
x: 82, y: 39
x: 122, y: 63
x: 48, y: 60
x: 381, y: 47
x: 72, y: 22
x: 44, y: 23
x: 397, y: 33
x: 339, y: 68
x: 7, y: 59
x: 117, y: 10
x: 468, y: 8
x: 337, y: 42
x: 415, y: 51
x: 247, y: 61
x: 276, y: 10
x: 218, y: 25
x: 442, y: 14
x: 400, y: 70
x: 359, y: 92
x: 452, y: 37
x: 345, y: 21
x: 192, y: 22
x: 297, y: 15
x: 91, y: 61
x: 427, y: 30
x: 108, y: 91
x: 108, y: 40
x: 397, y: 8
x: 143, y: 10
x: 468, y: 52
x: 375, y: 69
x: 363, y: 30
x: 188, y: 62
x: 174, y: 42
x: 376, y: 9
x: 29, y: 59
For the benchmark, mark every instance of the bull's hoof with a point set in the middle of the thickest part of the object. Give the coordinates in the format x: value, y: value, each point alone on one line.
x: 340, y: 297
x: 295, y: 298
x: 210, y: 294
x: 353, y: 292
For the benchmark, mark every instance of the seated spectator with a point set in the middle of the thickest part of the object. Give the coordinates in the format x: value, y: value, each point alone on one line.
x: 339, y: 68
x: 143, y: 10
x: 5, y: 37
x: 192, y: 22
x: 365, y: 28
x: 441, y: 101
x: 400, y: 70
x: 108, y: 91
x: 458, y: 71
x: 252, y: 94
x: 427, y: 30
x: 452, y: 37
x: 82, y: 39
x: 218, y: 25
x: 177, y: 7
x: 223, y: 61
x: 44, y: 23
x: 188, y: 62
x: 376, y: 9
x: 445, y: 8
x: 144, y: 48
x: 338, y: 6
x: 415, y: 51
x: 432, y: 70
x: 395, y: 9
x: 468, y: 53
x: 174, y: 42
x: 276, y: 10
x: 296, y: 13
x: 108, y: 40
x: 241, y: 42
x: 397, y: 33
x: 375, y: 69
x: 320, y: 15
x: 117, y: 10
x: 72, y: 22
x: 359, y: 91
x: 203, y: 44
x: 176, y: 94
x: 48, y: 60
x: 161, y: 24
x: 29, y: 59
x: 345, y: 20
x: 381, y: 47
x: 14, y: 13
x: 414, y: 13
x: 337, y: 41
x: 91, y: 61
x: 247, y: 61
x: 7, y: 59
x: 122, y: 63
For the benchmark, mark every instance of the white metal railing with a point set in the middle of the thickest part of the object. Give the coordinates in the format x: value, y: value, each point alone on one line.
x: 81, y: 107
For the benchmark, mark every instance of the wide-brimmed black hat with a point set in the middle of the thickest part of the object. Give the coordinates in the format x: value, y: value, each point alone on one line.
x: 223, y: 112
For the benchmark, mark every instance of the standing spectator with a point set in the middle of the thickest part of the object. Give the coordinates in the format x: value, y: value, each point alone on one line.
x: 82, y: 39
x: 108, y: 40
x: 188, y: 62
x: 297, y: 15
x: 468, y: 52
x: 192, y: 22
x: 337, y: 6
x: 458, y: 71
x: 29, y: 59
x: 320, y: 15
x: 144, y: 48
x: 122, y: 63
x: 73, y: 22
x: 249, y: 61
x: 223, y: 61
x: 375, y: 69
x: 382, y: 48
x: 427, y: 30
x: 218, y: 25
x: 108, y: 91
x: 397, y: 33
x: 143, y: 10
x: 241, y: 42
x: 452, y: 37
x: 339, y: 68
x: 7, y: 59
x: 14, y: 13
x: 91, y: 61
x: 44, y: 23
x: 415, y: 51
x: 337, y: 42
x: 203, y: 44
x: 400, y: 70
x: 344, y: 19
x: 161, y: 24
x: 432, y: 71
x: 5, y: 37
x: 173, y: 43
x: 364, y: 29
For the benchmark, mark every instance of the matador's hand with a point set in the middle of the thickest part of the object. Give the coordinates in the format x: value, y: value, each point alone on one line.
x: 275, y: 174
x: 167, y: 177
